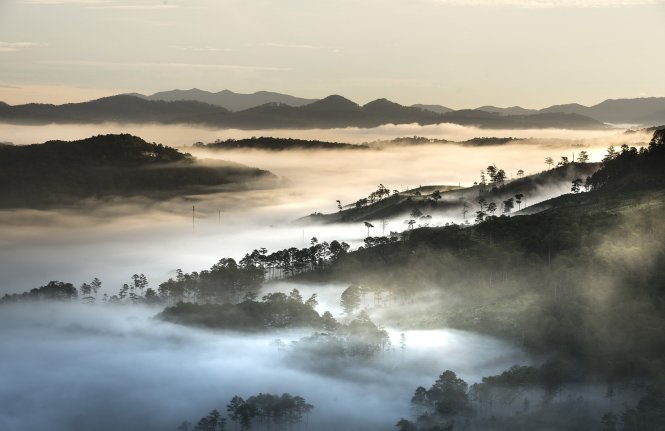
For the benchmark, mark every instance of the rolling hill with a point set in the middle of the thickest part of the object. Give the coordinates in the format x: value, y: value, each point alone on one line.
x: 61, y: 173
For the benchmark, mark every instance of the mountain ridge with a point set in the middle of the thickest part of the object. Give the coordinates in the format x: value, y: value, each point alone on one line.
x: 331, y: 112
x: 227, y: 99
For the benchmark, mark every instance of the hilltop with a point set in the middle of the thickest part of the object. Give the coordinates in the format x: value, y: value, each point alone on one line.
x: 60, y: 173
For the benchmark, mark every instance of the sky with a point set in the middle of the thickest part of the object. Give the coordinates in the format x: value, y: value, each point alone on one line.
x: 461, y: 54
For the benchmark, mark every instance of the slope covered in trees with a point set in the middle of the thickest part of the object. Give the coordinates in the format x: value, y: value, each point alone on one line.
x: 582, y: 280
x: 421, y: 203
x: 58, y: 173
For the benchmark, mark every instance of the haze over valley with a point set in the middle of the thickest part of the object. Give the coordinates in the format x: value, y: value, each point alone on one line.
x: 427, y: 215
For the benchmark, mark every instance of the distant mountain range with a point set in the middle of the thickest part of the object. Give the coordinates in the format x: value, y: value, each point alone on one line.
x: 332, y: 112
x: 227, y: 99
x: 645, y: 111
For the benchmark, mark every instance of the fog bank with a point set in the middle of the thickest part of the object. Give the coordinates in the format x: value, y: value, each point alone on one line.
x: 79, y: 367
x: 115, y: 238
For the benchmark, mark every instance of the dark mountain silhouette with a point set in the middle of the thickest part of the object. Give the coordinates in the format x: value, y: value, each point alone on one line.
x: 386, y: 111
x: 228, y: 99
x: 332, y: 104
x: 122, y: 108
x: 439, y: 109
x: 541, y: 120
x: 513, y: 110
x: 645, y: 111
x: 333, y: 111
x: 569, y: 108
x: 618, y: 111
x: 60, y: 173
x: 653, y: 119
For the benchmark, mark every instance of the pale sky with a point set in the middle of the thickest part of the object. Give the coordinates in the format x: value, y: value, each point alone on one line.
x: 461, y: 54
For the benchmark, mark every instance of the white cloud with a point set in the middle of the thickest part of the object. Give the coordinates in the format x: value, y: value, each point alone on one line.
x: 550, y: 3
x: 201, y: 48
x: 285, y: 45
x: 134, y: 6
x: 124, y: 65
x: 62, y: 2
x: 109, y: 4
x: 17, y: 46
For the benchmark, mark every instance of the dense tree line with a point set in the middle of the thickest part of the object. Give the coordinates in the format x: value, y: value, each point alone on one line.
x: 274, y: 310
x: 632, y: 168
x: 227, y: 281
x: 231, y: 281
x: 525, y: 398
x: 262, y: 411
x: 54, y: 290
x: 278, y: 144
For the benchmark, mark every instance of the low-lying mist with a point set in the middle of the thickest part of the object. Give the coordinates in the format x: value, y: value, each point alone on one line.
x: 178, y: 135
x: 115, y: 238
x: 85, y: 367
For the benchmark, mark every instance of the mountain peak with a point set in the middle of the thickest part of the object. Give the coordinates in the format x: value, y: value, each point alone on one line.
x: 334, y: 102
x: 382, y: 102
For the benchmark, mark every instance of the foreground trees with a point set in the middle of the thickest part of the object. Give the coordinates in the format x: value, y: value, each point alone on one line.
x: 268, y: 411
x: 262, y: 411
x: 275, y: 310
x: 233, y: 282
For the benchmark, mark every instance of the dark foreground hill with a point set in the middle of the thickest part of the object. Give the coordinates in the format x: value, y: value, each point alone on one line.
x: 59, y: 173
x: 583, y: 280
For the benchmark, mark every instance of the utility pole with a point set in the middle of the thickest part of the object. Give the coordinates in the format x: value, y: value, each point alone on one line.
x: 193, y: 216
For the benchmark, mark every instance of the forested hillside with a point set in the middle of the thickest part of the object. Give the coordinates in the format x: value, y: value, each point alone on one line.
x: 58, y: 173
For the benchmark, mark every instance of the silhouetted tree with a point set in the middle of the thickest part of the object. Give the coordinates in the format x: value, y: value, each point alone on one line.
x: 611, y: 154
x: 368, y: 225
x: 518, y: 200
x: 549, y: 162
x: 350, y: 299
x: 213, y: 422
x: 405, y: 425
x: 583, y: 157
